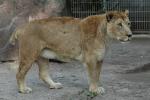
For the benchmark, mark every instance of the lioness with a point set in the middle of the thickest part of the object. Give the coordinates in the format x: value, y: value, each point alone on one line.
x: 66, y: 39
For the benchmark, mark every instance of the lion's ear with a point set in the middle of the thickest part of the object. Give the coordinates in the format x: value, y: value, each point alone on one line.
x: 109, y: 16
x: 126, y: 12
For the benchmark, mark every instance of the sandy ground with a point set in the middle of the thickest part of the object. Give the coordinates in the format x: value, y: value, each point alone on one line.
x: 125, y: 76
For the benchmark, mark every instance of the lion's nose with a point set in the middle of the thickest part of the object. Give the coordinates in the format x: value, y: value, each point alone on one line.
x: 129, y: 35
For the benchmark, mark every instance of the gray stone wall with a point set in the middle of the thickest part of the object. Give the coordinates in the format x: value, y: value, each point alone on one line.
x: 17, y: 12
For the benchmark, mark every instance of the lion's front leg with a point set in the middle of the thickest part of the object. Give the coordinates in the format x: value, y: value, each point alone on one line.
x: 93, y: 69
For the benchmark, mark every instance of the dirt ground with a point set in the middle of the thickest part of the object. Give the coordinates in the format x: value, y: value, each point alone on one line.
x: 125, y: 76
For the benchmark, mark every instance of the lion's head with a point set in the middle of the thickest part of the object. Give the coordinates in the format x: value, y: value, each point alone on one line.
x: 118, y: 26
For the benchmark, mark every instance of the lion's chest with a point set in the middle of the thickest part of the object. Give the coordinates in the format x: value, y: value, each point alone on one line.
x: 100, y: 53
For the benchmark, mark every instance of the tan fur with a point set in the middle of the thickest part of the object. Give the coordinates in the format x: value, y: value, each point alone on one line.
x: 68, y: 39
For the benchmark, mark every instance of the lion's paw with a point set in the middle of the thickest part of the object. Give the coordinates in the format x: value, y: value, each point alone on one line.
x: 26, y: 90
x: 56, y: 86
x: 99, y: 90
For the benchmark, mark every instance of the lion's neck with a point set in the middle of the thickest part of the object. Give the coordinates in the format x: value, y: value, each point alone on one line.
x: 102, y: 32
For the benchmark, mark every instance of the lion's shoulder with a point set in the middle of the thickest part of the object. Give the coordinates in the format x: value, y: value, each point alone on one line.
x: 90, y: 25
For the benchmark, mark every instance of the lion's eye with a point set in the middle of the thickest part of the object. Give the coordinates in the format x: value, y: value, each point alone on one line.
x: 120, y: 24
x: 129, y: 24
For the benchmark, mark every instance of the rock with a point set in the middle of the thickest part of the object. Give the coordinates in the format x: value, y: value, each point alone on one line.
x: 14, y: 13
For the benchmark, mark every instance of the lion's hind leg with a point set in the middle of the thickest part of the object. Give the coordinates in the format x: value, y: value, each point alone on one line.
x: 43, y: 74
x: 27, y: 56
x: 22, y: 71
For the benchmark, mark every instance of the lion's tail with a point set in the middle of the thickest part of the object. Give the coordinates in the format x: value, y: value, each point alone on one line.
x: 13, y: 37
x: 11, y: 41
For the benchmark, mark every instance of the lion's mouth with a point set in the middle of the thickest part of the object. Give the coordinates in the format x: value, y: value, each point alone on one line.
x: 127, y: 39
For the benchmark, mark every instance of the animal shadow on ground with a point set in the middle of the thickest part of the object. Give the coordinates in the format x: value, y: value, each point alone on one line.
x: 143, y: 68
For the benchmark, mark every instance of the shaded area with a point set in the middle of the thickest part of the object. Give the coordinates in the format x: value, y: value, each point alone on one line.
x: 144, y: 68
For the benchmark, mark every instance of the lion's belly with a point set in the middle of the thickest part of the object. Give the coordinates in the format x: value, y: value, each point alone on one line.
x: 48, y: 54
